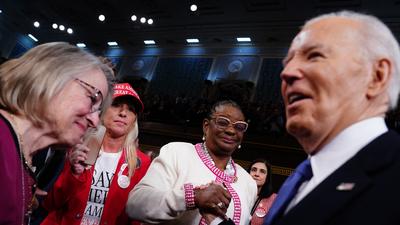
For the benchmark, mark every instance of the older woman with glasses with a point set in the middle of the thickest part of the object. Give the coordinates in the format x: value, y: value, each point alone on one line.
x: 199, y: 184
x: 49, y: 96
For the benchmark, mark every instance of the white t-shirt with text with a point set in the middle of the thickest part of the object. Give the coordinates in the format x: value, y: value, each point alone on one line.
x: 104, y: 171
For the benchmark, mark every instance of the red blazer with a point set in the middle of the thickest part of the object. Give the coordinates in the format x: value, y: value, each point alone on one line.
x: 67, y: 200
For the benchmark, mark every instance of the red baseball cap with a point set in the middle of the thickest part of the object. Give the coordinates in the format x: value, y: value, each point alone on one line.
x: 125, y: 89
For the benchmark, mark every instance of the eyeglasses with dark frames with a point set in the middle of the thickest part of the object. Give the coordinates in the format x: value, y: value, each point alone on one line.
x: 96, y: 97
x: 223, y: 123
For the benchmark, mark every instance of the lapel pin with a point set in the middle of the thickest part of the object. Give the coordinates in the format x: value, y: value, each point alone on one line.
x: 345, y: 186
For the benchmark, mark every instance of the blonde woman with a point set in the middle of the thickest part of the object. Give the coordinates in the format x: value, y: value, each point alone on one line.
x: 97, y: 195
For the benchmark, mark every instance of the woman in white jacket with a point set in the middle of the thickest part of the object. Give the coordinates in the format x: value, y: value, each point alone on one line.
x: 198, y: 184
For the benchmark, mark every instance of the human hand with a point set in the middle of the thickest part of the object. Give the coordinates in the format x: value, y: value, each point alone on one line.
x: 39, y: 193
x: 212, y: 200
x: 77, y: 157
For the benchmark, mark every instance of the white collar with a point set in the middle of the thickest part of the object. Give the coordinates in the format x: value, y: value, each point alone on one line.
x: 344, y: 146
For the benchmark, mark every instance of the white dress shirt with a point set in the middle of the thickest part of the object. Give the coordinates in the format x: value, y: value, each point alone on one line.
x: 343, y: 147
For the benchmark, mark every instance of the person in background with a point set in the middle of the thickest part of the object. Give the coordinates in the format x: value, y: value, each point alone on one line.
x: 97, y: 195
x: 49, y: 96
x: 198, y: 184
x: 340, y: 77
x: 260, y: 170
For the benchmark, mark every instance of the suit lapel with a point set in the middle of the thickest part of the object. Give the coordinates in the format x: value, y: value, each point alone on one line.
x: 333, y: 195
x: 326, y: 200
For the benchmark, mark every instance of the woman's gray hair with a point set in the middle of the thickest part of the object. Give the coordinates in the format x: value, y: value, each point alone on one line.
x: 377, y: 41
x: 28, y: 83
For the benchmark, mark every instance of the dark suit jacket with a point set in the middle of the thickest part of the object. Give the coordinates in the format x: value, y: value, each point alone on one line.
x: 374, y: 198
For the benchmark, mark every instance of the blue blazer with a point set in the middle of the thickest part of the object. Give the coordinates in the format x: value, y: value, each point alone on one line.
x: 365, y: 190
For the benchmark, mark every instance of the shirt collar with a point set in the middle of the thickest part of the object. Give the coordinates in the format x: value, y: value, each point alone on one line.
x: 345, y: 145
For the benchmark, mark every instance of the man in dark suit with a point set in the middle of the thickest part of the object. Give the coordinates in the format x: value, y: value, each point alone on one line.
x: 340, y: 77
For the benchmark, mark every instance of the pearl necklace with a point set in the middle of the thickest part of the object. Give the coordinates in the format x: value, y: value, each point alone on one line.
x: 229, y: 169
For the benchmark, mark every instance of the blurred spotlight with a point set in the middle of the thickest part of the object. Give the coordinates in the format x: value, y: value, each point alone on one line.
x: 102, y: 17
x: 193, y: 8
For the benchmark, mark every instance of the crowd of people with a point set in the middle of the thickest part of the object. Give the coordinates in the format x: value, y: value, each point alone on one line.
x: 340, y: 79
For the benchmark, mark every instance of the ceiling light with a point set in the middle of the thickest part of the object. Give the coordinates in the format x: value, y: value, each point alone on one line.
x: 61, y: 27
x: 33, y: 38
x: 81, y: 45
x: 193, y: 7
x: 150, y: 21
x: 70, y: 31
x: 36, y: 24
x: 112, y: 43
x: 1, y: 11
x: 192, y: 40
x: 143, y: 20
x: 102, y: 17
x: 243, y: 39
x: 149, y: 42
x: 55, y: 26
x: 133, y: 17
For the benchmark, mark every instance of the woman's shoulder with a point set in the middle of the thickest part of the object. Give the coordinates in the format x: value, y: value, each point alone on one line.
x: 143, y: 157
x: 268, y: 200
x: 177, y: 150
x: 272, y: 196
x: 178, y: 143
x: 179, y: 147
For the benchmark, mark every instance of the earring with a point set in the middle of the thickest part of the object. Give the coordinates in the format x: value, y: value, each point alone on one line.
x: 203, y: 138
x: 240, y: 146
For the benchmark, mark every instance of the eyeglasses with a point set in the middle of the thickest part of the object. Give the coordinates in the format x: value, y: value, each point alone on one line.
x: 223, y: 123
x: 96, y: 97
